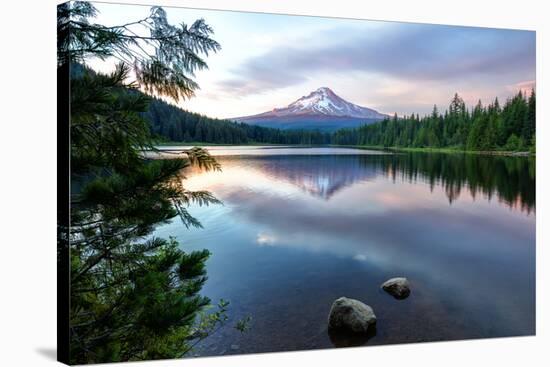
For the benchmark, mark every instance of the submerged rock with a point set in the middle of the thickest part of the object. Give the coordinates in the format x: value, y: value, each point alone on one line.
x: 397, y: 287
x: 350, y: 315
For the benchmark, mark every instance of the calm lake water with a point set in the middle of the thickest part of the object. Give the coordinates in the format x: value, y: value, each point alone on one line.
x: 302, y: 227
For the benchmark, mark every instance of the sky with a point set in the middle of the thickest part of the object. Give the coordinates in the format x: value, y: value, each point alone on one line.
x: 269, y: 61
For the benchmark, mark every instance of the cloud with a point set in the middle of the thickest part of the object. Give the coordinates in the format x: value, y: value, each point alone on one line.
x: 259, y: 78
x: 412, y: 52
x: 525, y: 87
x: 265, y: 239
x: 360, y: 257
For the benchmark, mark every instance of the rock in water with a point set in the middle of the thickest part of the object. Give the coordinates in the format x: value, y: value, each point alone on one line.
x: 397, y: 287
x: 350, y: 315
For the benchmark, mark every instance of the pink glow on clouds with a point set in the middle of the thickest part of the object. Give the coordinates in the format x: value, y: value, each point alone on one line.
x: 525, y: 87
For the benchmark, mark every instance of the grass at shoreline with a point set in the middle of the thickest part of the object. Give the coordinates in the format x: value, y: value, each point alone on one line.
x: 373, y: 147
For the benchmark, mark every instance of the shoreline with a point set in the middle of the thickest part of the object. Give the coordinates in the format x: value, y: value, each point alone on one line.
x: 371, y: 147
x: 507, y: 153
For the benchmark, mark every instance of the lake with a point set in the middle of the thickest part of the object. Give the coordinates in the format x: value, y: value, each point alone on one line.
x: 300, y: 227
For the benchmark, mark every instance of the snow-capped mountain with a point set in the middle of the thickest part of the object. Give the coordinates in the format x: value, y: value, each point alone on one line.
x: 321, y: 109
x: 325, y: 101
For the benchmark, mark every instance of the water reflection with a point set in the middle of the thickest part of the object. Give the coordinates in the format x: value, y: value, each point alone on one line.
x: 321, y: 176
x: 511, y: 179
x: 297, y: 232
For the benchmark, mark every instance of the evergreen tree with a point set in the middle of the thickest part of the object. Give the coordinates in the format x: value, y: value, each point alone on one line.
x: 511, y: 127
x: 529, y: 127
x: 133, y: 296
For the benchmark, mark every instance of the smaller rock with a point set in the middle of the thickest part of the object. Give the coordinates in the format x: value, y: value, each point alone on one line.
x: 234, y: 346
x: 398, y: 287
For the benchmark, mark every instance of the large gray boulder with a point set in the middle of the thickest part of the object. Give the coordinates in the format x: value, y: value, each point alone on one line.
x: 350, y: 315
x: 397, y: 287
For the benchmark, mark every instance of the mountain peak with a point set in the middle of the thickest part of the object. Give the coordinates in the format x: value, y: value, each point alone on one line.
x: 320, y: 104
x: 325, y: 102
x: 324, y: 89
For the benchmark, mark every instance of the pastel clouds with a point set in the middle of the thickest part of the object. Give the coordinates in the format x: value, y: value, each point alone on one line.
x: 269, y: 60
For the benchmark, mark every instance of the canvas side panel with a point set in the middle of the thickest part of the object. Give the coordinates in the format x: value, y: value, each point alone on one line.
x: 63, y: 212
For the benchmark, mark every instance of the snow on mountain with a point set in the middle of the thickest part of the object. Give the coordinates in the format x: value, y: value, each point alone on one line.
x: 321, y: 108
x: 324, y: 101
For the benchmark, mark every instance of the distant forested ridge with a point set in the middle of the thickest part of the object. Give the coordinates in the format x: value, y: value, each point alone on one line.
x: 483, y: 128
x: 509, y: 127
x: 171, y: 123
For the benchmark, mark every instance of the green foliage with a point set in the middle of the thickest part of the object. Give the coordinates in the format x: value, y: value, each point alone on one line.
x: 174, y: 124
x: 481, y: 129
x: 514, y: 143
x: 106, y: 128
x: 138, y: 301
x: 162, y: 56
x: 133, y: 296
x: 243, y: 324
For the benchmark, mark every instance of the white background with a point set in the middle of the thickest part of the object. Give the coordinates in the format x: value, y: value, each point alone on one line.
x: 28, y: 183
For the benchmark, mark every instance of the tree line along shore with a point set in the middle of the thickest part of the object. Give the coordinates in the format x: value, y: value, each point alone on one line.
x: 491, y: 129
